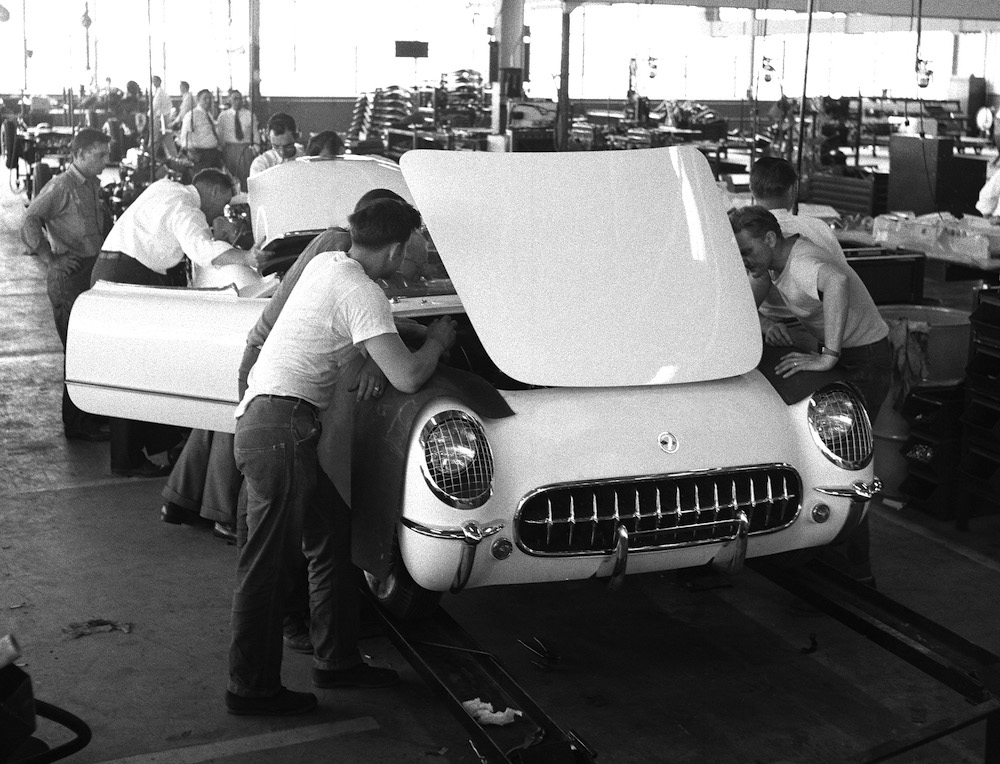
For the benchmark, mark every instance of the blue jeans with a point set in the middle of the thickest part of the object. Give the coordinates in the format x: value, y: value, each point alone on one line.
x: 292, y: 508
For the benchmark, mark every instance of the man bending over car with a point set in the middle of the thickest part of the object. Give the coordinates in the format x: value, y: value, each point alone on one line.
x: 335, y: 311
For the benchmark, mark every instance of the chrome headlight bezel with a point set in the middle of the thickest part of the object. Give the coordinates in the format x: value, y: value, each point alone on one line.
x: 457, y: 461
x: 840, y: 426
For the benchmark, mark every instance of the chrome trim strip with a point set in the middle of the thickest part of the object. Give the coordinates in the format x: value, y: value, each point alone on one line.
x: 676, y: 509
x: 157, y: 393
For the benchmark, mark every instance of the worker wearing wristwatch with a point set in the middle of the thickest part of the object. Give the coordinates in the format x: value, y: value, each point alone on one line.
x: 827, y: 297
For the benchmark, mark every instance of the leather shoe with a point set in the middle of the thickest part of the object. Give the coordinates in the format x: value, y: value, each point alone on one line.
x: 146, y: 470
x: 225, y: 531
x: 175, y: 514
x: 285, y: 703
x: 298, y: 642
x: 362, y: 677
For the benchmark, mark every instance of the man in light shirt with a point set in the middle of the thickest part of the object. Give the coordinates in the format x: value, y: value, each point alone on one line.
x: 163, y: 107
x: 283, y: 135
x: 199, y: 135
x: 166, y: 222
x: 236, y: 126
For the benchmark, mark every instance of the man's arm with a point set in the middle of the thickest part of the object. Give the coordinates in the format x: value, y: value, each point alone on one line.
x: 44, y: 206
x: 405, y: 370
x: 833, y: 290
x: 195, y: 237
x: 832, y: 286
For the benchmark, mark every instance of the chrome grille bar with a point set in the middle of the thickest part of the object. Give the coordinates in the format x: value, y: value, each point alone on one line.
x: 769, y: 496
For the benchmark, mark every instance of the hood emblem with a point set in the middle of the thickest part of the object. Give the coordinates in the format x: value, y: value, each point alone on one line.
x: 668, y: 442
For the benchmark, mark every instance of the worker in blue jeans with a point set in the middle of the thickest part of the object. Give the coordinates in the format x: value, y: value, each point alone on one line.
x: 335, y: 312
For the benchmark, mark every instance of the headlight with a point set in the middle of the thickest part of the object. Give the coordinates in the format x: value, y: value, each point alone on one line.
x: 458, y: 462
x: 840, y: 427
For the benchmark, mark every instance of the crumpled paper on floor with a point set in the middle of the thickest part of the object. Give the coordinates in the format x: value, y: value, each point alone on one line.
x: 483, y: 713
x: 94, y: 626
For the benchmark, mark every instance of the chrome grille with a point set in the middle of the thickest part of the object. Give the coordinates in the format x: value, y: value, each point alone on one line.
x: 841, y: 427
x: 662, y: 511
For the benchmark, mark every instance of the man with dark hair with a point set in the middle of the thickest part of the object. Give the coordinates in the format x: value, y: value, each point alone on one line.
x: 283, y: 135
x: 65, y: 225
x: 828, y: 297
x: 166, y: 222
x: 326, y: 145
x: 774, y: 185
x: 335, y: 312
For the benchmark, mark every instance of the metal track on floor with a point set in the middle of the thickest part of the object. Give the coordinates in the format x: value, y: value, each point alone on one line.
x: 450, y: 661
x: 943, y: 655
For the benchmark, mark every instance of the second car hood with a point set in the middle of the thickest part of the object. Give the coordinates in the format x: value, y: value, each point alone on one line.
x: 596, y: 269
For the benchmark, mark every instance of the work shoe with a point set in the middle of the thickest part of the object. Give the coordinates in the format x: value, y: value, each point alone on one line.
x: 298, y: 643
x: 175, y: 514
x: 225, y: 531
x: 362, y: 677
x: 285, y: 703
x: 146, y: 470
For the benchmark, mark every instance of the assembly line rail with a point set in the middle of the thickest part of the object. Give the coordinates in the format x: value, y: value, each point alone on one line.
x: 946, y: 657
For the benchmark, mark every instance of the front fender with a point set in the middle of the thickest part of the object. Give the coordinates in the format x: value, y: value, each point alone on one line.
x: 380, y: 448
x: 799, y: 386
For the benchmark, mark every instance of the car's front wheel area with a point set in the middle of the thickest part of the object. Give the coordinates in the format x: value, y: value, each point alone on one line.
x: 399, y: 594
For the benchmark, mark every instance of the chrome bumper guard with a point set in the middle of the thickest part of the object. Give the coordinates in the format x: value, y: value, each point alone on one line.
x: 860, y: 493
x: 470, y: 534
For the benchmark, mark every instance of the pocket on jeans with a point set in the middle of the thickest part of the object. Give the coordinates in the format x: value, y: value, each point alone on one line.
x: 305, y: 430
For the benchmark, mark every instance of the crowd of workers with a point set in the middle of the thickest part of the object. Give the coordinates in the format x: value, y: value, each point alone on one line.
x: 264, y: 485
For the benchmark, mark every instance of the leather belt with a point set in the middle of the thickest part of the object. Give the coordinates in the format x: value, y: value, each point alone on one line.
x: 290, y: 399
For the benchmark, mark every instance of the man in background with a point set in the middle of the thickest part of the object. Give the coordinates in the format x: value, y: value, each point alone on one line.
x: 283, y: 135
x: 199, y: 136
x: 236, y: 127
x: 65, y: 225
x: 166, y: 222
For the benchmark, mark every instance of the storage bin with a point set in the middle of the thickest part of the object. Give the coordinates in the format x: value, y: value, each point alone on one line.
x: 947, y: 338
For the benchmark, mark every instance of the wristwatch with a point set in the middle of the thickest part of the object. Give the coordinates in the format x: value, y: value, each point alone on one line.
x: 824, y: 350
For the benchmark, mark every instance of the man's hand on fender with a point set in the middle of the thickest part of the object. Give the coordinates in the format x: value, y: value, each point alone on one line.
x: 442, y: 331
x: 793, y: 363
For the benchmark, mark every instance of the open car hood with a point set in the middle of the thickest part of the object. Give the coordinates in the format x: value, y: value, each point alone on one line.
x: 593, y: 269
x: 312, y: 195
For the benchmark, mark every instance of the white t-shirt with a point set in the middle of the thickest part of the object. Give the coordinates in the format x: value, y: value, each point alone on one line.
x: 813, y: 229
x: 799, y: 288
x: 333, y: 308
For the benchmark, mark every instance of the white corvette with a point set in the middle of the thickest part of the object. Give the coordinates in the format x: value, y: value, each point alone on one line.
x: 602, y: 413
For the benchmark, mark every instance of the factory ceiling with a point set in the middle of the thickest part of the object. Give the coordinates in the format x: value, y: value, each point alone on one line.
x: 966, y: 10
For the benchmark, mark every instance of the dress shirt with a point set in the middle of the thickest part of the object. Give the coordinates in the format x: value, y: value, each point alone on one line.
x: 187, y: 104
x: 226, y: 125
x: 164, y: 224
x: 162, y: 107
x: 989, y: 196
x: 198, y: 130
x: 272, y: 158
x: 69, y: 209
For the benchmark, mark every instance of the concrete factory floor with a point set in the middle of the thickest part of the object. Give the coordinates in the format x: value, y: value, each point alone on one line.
x: 656, y: 672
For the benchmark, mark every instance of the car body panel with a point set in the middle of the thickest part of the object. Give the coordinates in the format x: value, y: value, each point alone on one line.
x: 621, y: 265
x: 309, y: 195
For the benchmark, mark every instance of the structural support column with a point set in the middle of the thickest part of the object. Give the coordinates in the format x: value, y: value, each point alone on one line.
x: 254, y: 59
x: 562, y: 126
x: 509, y: 31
